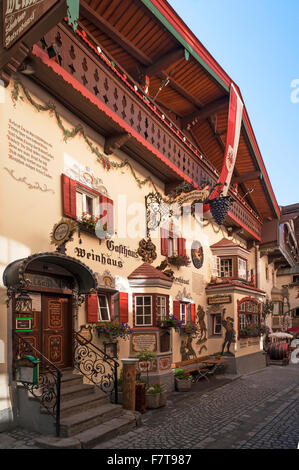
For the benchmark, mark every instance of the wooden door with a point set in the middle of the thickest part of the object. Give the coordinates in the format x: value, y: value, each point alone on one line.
x: 57, y: 330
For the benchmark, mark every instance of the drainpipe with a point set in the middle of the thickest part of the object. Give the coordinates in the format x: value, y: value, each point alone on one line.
x: 256, y: 266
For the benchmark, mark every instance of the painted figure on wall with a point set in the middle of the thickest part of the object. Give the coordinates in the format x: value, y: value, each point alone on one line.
x: 230, y: 334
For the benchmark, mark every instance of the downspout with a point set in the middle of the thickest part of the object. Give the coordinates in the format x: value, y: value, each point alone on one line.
x: 256, y: 266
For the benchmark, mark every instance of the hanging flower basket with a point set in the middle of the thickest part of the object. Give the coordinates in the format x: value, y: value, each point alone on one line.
x: 114, y: 330
x: 179, y: 261
x: 219, y: 208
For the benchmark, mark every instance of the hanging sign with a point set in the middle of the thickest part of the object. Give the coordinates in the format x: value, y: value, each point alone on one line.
x: 219, y: 299
x: 197, y: 254
x: 21, y: 15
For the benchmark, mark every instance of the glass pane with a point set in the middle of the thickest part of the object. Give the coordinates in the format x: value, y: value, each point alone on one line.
x: 89, y: 205
x: 139, y: 310
x: 217, y: 329
x: 105, y: 314
x: 147, y: 310
x: 139, y: 300
x: 102, y: 301
x: 147, y: 320
x: 147, y: 300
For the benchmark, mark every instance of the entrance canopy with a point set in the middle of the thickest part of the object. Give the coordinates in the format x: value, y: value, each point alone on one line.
x: 14, y: 274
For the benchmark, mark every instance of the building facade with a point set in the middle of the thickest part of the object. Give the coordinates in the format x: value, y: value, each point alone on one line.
x: 102, y: 134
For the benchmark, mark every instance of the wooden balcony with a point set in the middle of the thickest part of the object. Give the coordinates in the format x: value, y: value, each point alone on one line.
x: 117, y: 108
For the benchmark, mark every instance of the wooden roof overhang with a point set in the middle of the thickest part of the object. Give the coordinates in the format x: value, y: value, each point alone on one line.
x: 147, y: 37
x: 101, y: 94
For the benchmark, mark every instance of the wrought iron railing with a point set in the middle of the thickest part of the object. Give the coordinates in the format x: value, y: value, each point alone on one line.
x: 47, y: 390
x: 94, y: 364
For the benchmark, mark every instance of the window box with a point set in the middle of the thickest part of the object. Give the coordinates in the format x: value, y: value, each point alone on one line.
x: 114, y: 330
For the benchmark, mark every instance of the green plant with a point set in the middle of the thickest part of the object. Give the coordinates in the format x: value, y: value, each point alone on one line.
x: 146, y: 356
x: 153, y: 389
x: 180, y: 374
x: 167, y: 323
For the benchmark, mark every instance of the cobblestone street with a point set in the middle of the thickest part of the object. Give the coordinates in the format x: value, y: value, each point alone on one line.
x: 257, y: 411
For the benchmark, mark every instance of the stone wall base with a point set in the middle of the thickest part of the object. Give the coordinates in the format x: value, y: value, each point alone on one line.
x: 245, y: 364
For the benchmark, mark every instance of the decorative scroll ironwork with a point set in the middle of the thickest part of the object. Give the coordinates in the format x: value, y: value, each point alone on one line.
x: 95, y: 365
x: 47, y: 391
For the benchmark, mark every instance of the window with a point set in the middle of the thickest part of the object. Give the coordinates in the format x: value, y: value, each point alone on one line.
x: 248, y: 311
x: 216, y: 324
x: 103, y: 307
x: 242, y: 269
x: 161, y: 307
x: 143, y: 310
x: 172, y: 244
x: 183, y: 313
x: 86, y: 204
x: 79, y: 200
x: 226, y: 267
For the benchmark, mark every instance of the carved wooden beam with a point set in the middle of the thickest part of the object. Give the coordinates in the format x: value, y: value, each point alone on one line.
x: 206, y: 111
x: 115, y: 142
x: 164, y: 62
x: 251, y: 175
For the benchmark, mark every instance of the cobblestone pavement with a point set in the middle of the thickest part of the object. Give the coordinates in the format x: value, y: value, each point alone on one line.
x: 257, y: 411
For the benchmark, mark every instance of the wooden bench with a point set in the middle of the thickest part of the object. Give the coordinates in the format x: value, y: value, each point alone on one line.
x: 194, y: 365
x: 200, y: 365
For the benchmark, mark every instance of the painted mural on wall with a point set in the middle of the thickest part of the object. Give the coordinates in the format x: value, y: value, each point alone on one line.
x: 230, y: 335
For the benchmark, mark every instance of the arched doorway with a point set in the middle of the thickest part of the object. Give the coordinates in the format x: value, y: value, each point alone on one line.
x: 55, y: 283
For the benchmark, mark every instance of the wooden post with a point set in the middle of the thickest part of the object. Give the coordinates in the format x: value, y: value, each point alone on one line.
x: 129, y: 381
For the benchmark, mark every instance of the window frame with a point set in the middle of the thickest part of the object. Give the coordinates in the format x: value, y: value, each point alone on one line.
x: 248, y: 308
x: 144, y: 325
x: 214, y: 315
x: 108, y: 307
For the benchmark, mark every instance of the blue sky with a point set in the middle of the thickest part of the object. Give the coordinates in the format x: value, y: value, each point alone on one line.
x: 257, y: 44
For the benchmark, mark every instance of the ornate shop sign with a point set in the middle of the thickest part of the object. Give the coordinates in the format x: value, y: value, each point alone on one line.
x: 121, y: 249
x: 103, y: 259
x: 21, y: 15
x: 219, y: 299
x: 23, y: 324
x: 141, y: 342
x: 62, y: 232
x: 197, y: 254
x: 38, y: 280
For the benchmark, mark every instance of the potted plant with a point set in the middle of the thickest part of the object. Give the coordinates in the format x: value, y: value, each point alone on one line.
x: 146, y: 357
x: 153, y: 396
x: 167, y: 323
x: 182, y: 380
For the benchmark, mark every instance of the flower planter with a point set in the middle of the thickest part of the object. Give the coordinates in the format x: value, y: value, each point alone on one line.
x: 182, y: 385
x: 152, y: 400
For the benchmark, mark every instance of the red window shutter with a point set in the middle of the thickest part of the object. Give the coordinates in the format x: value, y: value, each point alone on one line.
x: 176, y: 309
x: 69, y: 196
x: 111, y: 308
x: 92, y: 308
x: 123, y: 307
x: 192, y: 307
x: 164, y: 242
x: 106, y: 215
x: 181, y: 246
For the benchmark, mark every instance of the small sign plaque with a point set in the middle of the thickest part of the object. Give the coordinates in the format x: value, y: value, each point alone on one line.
x: 20, y: 15
x: 219, y: 299
x: 24, y: 324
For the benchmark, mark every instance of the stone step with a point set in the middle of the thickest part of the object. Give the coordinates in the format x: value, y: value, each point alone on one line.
x: 94, y: 436
x: 97, y: 435
x: 70, y: 379
x: 76, y: 391
x: 77, y: 405
x: 80, y: 422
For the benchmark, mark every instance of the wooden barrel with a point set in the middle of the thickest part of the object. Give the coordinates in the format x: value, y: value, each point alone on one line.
x: 278, y: 351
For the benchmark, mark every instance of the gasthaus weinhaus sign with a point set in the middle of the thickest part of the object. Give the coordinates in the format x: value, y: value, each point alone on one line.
x: 20, y: 15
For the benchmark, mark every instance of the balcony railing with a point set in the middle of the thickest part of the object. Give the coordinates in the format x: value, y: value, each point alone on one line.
x: 80, y: 57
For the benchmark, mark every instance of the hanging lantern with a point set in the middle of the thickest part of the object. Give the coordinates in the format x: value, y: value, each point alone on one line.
x: 23, y: 303
x: 219, y: 207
